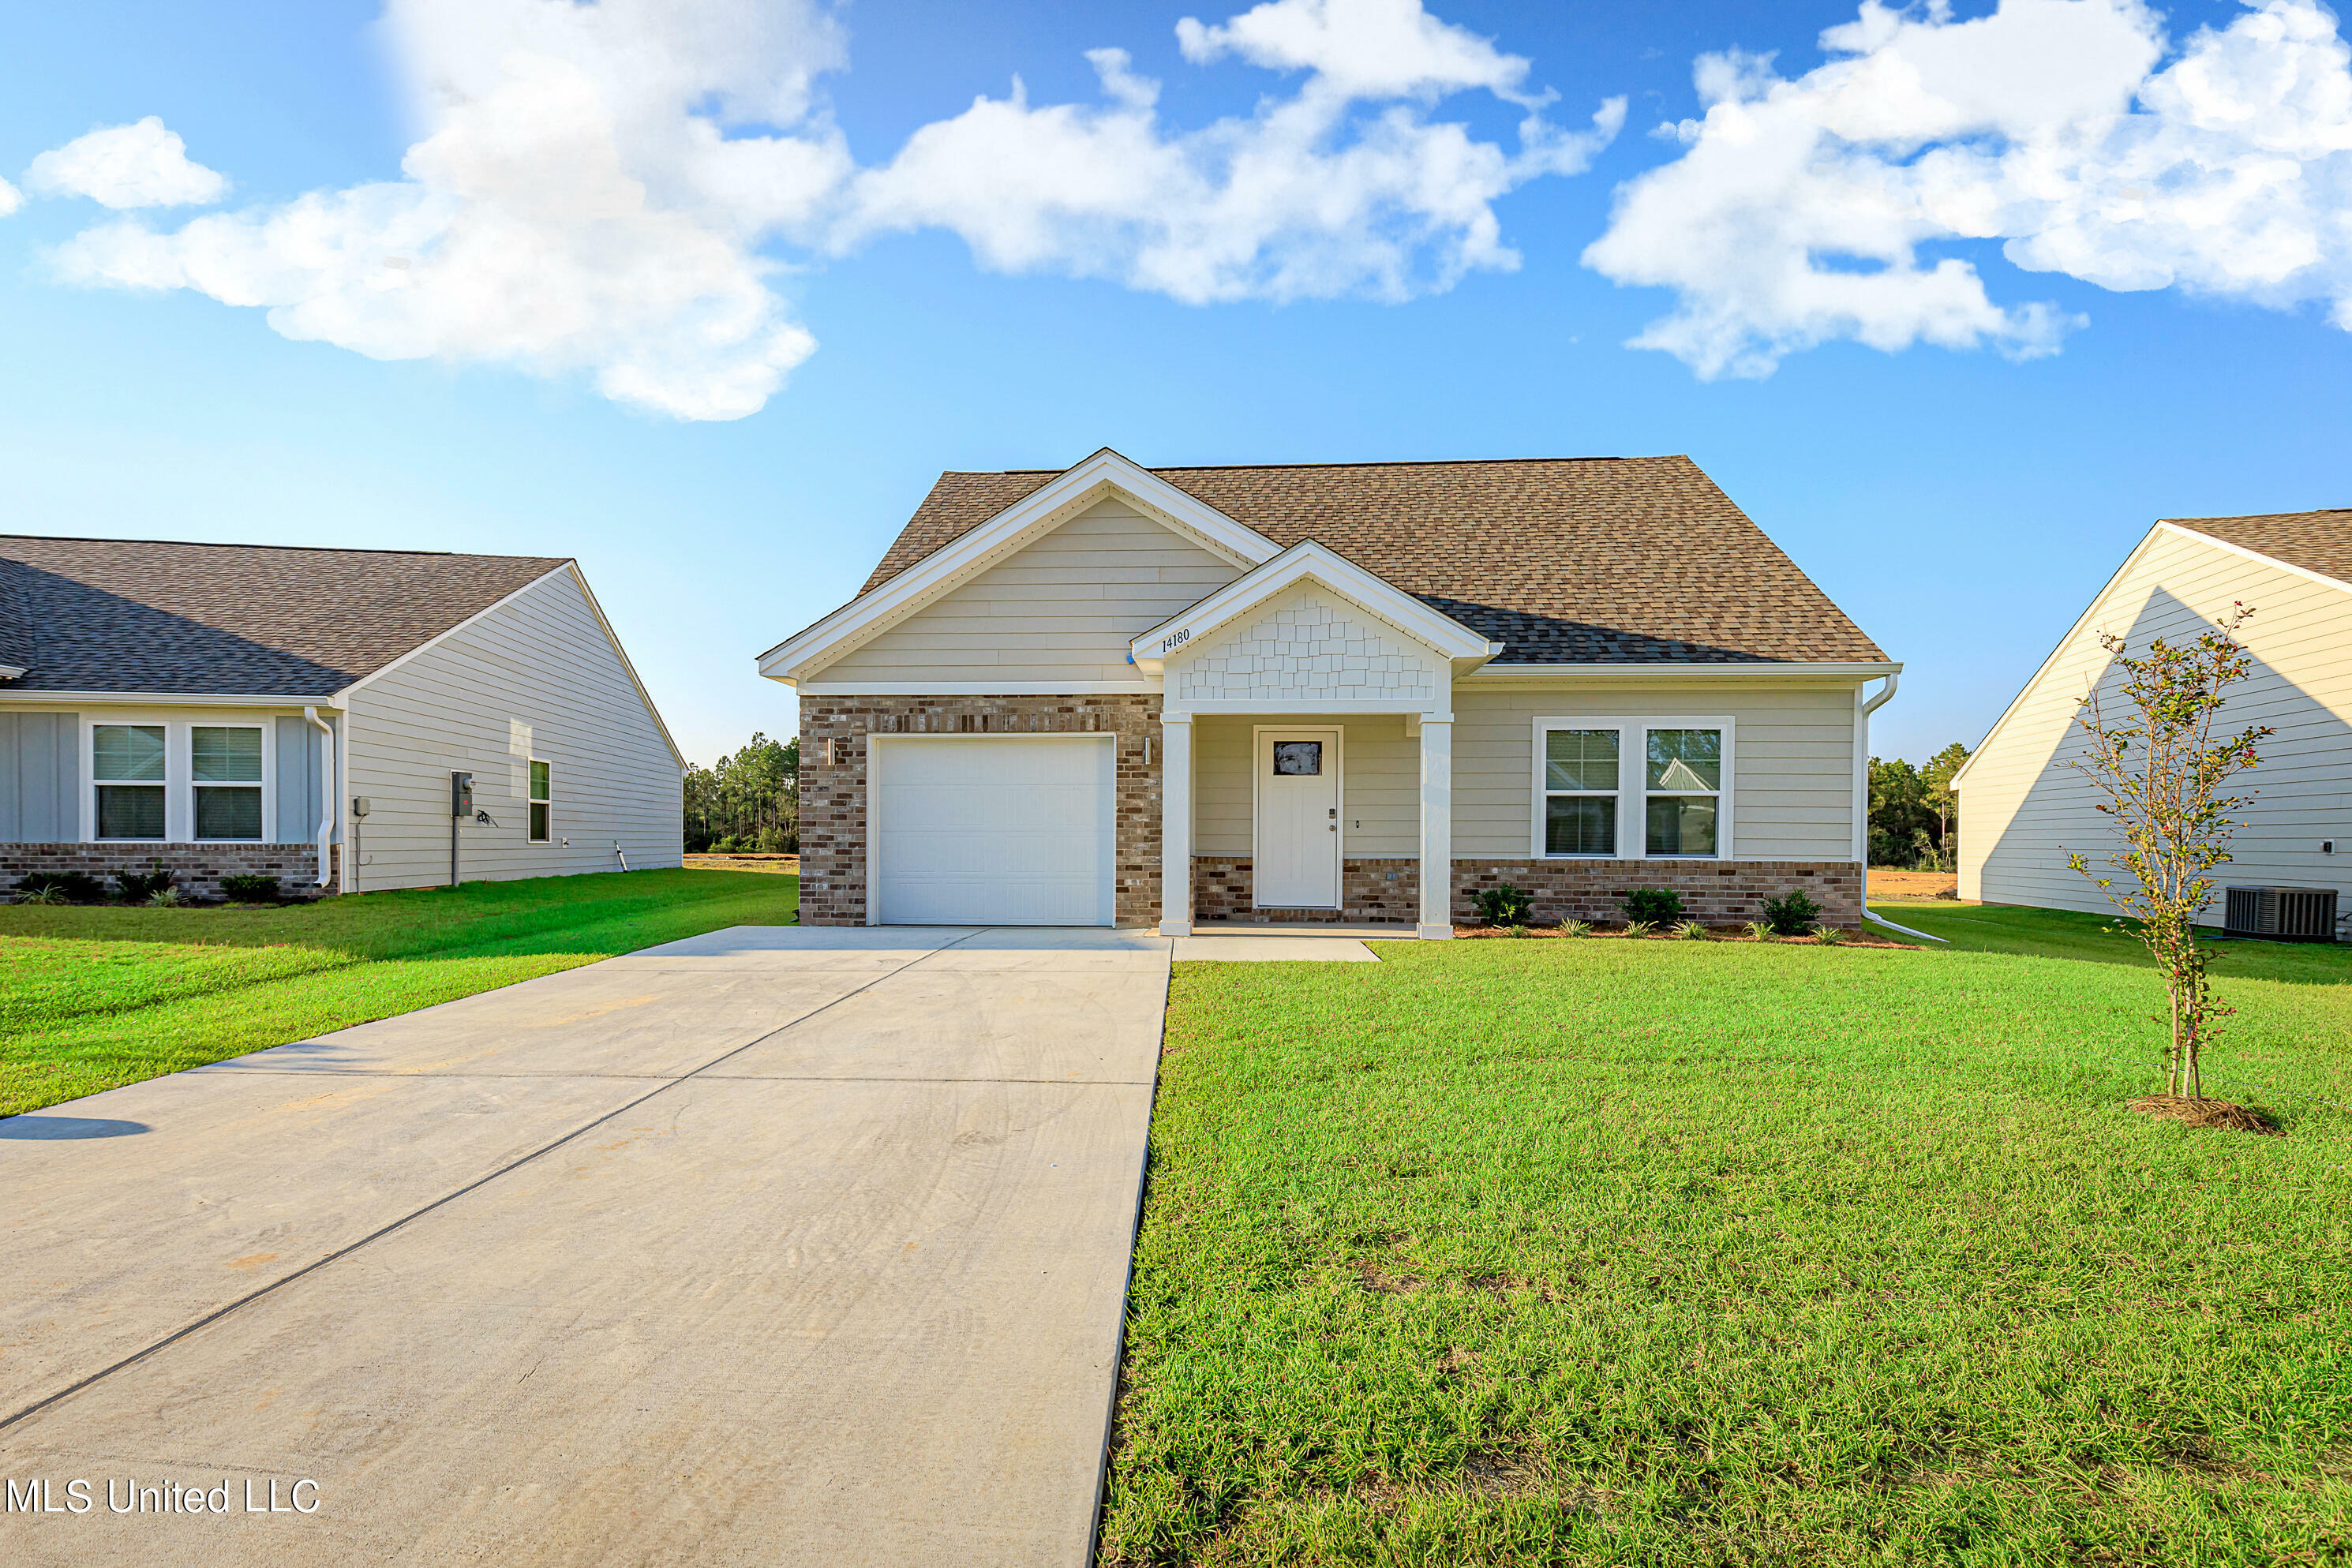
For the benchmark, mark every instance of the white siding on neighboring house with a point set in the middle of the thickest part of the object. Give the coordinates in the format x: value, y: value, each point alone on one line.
x: 1793, y: 782
x: 2021, y: 811
x: 1380, y: 783
x: 538, y: 677
x: 1061, y: 609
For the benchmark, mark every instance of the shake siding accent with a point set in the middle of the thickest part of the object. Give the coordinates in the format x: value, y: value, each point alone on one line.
x: 40, y: 777
x: 1062, y: 609
x: 1792, y: 789
x: 2021, y: 812
x: 538, y: 677
x: 1380, y: 783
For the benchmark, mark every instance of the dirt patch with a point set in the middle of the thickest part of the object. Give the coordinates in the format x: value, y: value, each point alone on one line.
x: 1886, y: 881
x: 2207, y: 1113
x: 1386, y: 1284
x: 788, y: 865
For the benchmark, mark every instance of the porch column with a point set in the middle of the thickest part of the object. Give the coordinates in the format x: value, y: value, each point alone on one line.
x: 1175, y: 824
x: 1436, y: 828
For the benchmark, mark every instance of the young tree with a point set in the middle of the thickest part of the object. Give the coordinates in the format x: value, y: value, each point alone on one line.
x: 2161, y: 769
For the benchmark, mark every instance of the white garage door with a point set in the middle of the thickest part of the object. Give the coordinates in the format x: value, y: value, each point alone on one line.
x: 993, y: 830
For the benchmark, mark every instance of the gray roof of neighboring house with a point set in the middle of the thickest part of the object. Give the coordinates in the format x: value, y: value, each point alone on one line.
x: 146, y: 615
x: 2315, y: 541
x: 1564, y: 560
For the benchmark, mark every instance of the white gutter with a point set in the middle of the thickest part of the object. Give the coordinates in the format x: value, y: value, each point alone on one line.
x: 1861, y: 718
x: 329, y: 799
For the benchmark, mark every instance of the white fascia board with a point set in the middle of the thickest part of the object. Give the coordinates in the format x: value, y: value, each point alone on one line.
x: 1310, y: 561
x: 1838, y: 673
x: 2067, y: 640
x: 975, y: 688
x: 1104, y: 474
x: 296, y: 701
x: 1309, y: 707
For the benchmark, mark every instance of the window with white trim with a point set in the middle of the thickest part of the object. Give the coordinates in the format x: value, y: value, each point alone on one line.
x: 127, y: 765
x: 542, y: 804
x: 1581, y: 792
x: 225, y: 764
x: 1682, y: 792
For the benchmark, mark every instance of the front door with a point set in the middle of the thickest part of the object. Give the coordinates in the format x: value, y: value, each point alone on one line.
x: 1296, y: 863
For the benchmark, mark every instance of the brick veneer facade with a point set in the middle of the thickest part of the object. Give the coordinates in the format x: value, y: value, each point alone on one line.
x: 196, y: 869
x: 1372, y: 891
x: 833, y: 792
x: 1714, y: 892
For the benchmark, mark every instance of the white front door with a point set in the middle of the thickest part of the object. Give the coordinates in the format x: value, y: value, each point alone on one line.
x: 1297, y: 861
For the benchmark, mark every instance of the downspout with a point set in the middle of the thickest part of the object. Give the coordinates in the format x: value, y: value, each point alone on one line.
x: 328, y: 798
x: 1863, y: 827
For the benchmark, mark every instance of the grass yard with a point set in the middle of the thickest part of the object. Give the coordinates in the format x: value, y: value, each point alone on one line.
x: 93, y: 998
x: 1670, y: 1252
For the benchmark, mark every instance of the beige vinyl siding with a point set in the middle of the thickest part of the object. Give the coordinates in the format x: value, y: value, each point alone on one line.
x: 1380, y: 783
x: 2021, y: 811
x: 1063, y: 609
x: 1792, y: 763
x: 537, y: 677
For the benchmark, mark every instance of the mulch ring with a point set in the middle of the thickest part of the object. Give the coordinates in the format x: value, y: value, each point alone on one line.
x: 1714, y: 934
x: 2207, y: 1113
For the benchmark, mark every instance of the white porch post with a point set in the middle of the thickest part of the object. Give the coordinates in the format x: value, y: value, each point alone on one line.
x: 1175, y: 824
x: 1436, y: 828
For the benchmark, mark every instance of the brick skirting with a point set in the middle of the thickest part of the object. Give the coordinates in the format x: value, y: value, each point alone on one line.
x: 1714, y: 892
x: 1372, y: 891
x: 196, y: 869
x: 832, y: 794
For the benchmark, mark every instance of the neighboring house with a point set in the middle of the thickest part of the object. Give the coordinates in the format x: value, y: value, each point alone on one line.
x: 2023, y: 810
x: 221, y: 709
x: 1119, y: 695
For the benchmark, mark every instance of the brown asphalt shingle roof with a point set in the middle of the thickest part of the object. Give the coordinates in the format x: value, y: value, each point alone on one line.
x: 142, y: 615
x: 1565, y: 561
x: 2315, y: 541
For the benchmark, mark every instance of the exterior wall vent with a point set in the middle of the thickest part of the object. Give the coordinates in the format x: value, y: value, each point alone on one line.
x: 2281, y: 913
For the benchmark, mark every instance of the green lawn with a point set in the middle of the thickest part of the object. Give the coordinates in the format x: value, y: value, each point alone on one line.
x: 92, y: 997
x: 1669, y: 1252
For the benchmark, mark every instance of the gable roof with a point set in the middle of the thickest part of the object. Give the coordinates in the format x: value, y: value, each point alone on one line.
x: 2317, y: 542
x: 151, y: 616
x: 1563, y: 560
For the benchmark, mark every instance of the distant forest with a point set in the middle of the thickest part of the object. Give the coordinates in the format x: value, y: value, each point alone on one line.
x: 748, y: 803
x: 1914, y: 817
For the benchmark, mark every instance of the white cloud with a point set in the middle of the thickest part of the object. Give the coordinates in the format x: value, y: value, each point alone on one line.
x: 1346, y: 186
x: 140, y: 165
x: 1799, y: 213
x: 10, y: 198
x: 605, y: 188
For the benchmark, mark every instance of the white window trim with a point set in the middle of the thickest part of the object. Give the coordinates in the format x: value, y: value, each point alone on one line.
x: 528, y: 801
x: 1337, y: 736
x: 178, y: 770
x: 1632, y: 781
x: 1544, y: 727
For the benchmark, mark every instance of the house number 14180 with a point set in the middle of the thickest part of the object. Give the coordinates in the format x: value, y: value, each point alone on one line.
x: 1176, y: 639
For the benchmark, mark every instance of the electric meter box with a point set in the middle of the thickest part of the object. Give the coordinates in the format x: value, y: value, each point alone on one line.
x: 461, y: 794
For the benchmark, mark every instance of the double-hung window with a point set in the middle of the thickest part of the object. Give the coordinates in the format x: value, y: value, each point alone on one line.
x: 1682, y: 791
x: 126, y: 766
x: 1579, y: 791
x: 542, y: 805
x: 225, y: 764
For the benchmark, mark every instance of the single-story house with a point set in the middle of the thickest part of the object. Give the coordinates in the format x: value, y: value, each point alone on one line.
x: 2022, y: 809
x: 1109, y: 695
x: 225, y: 710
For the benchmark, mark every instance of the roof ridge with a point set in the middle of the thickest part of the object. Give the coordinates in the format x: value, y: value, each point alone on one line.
x: 1363, y: 463
x: 315, y: 549
x: 2258, y: 517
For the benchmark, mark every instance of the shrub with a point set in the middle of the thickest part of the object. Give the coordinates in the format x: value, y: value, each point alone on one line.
x: 164, y: 898
x: 42, y: 895
x: 71, y: 886
x: 140, y: 886
x: 256, y: 889
x: 1516, y: 931
x: 1691, y: 931
x: 1759, y: 931
x: 1826, y: 934
x: 1792, y: 914
x: 1575, y: 928
x: 1657, y: 905
x: 778, y: 842
x: 1640, y: 927
x: 1505, y: 904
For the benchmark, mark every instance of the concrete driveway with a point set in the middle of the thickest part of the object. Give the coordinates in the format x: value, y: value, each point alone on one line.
x: 772, y: 1246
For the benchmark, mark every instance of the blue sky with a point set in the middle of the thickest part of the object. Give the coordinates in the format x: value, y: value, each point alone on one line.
x: 1961, y: 502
